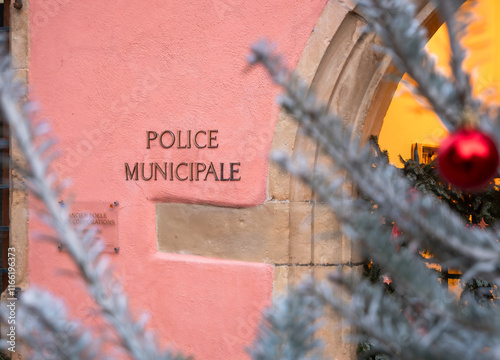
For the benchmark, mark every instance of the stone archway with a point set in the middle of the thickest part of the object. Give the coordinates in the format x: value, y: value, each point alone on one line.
x: 341, y: 66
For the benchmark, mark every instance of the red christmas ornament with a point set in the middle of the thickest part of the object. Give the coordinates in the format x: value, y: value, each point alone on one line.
x: 468, y: 159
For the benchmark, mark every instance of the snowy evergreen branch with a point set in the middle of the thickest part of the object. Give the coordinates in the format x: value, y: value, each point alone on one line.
x: 456, y: 30
x: 406, y: 329
x: 417, y: 282
x: 422, y: 319
x: 405, y: 40
x: 47, y: 332
x: 81, y: 245
x: 288, y: 329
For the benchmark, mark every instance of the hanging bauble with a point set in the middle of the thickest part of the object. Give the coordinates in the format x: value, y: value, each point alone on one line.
x: 468, y: 159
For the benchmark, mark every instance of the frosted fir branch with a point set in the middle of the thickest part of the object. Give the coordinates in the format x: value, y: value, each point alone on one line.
x: 82, y: 246
x: 417, y: 215
x: 396, y: 325
x: 445, y: 329
x: 405, y: 40
x: 404, y: 329
x: 456, y: 30
x: 288, y: 329
x: 405, y: 267
x: 427, y: 222
x: 329, y: 186
x: 47, y: 331
x: 371, y: 313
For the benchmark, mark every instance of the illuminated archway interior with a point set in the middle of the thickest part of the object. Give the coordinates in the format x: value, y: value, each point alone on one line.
x: 408, y: 121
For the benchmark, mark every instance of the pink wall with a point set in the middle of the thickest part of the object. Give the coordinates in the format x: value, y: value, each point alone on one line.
x: 106, y: 72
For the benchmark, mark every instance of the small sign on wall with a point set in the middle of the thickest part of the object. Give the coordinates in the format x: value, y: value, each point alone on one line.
x: 100, y: 215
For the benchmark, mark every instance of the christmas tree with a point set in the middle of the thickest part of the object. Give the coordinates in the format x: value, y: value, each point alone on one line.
x: 477, y: 209
x: 425, y: 177
x: 420, y: 318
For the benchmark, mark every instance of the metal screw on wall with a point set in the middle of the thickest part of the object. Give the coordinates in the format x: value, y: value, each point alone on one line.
x: 18, y: 4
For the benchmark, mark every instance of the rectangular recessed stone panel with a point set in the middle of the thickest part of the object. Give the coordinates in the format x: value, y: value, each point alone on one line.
x: 259, y: 234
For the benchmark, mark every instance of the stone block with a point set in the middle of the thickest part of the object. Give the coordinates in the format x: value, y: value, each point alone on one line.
x: 283, y: 141
x: 330, y: 245
x: 22, y: 76
x: 304, y: 152
x: 328, y: 23
x: 297, y: 273
x: 300, y: 232
x: 19, y: 37
x: 280, y: 280
x: 335, y: 330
